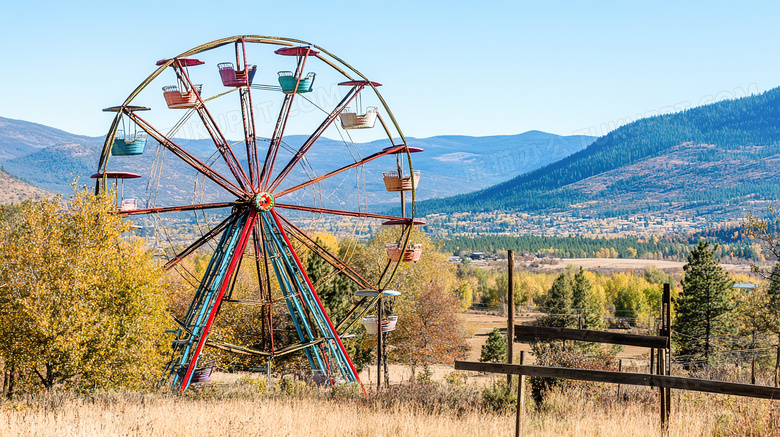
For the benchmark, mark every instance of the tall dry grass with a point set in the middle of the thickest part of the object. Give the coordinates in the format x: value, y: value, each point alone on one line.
x: 248, y: 409
x: 136, y: 415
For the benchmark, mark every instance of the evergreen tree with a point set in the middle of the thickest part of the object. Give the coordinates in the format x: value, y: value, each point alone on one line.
x: 335, y: 290
x: 774, y: 290
x: 559, y: 304
x: 772, y: 313
x: 582, y: 303
x: 579, y: 297
x: 705, y: 304
x: 494, y: 350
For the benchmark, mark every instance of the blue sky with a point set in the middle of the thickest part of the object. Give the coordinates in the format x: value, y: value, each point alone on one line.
x: 482, y: 68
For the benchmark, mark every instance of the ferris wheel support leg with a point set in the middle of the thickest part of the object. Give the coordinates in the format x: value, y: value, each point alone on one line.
x: 237, y: 254
x: 203, y: 299
x: 284, y: 275
x: 340, y: 348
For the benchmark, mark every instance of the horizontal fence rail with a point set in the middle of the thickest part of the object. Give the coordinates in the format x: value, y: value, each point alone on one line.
x: 676, y: 382
x: 531, y: 333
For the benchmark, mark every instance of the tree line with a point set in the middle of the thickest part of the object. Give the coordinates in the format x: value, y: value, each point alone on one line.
x: 734, y: 245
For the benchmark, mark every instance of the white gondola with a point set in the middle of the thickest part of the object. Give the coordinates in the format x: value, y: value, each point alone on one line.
x: 128, y: 205
x: 393, y: 182
x: 388, y: 324
x: 371, y: 321
x: 352, y: 120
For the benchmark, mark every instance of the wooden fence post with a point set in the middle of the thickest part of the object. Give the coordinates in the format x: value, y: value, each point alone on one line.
x: 520, y: 399
x: 379, y: 351
x: 662, y: 392
x: 510, y: 324
x: 652, y: 360
x: 666, y: 330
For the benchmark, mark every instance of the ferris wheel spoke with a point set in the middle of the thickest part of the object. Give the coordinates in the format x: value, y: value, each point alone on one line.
x: 224, y: 148
x: 351, y: 94
x: 276, y: 138
x: 205, y: 238
x: 250, y: 137
x: 175, y: 208
x: 284, y: 114
x: 325, y: 254
x: 211, y: 127
x: 186, y: 156
x: 381, y: 153
x: 365, y: 304
x: 356, y: 214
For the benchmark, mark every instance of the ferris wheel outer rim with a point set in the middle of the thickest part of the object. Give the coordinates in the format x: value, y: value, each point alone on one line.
x: 105, y: 153
x: 261, y: 39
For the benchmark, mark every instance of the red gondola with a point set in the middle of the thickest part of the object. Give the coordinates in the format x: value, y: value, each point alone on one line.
x: 236, y: 78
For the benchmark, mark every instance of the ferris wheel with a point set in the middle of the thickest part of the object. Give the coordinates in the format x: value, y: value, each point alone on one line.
x: 243, y: 171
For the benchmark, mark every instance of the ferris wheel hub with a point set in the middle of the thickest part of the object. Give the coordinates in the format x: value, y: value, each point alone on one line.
x: 263, y: 201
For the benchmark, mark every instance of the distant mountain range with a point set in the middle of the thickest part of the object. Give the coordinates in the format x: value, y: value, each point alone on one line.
x: 50, y: 159
x: 715, y: 159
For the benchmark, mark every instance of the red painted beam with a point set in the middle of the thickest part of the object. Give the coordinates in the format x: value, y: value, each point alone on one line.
x: 384, y: 152
x: 239, y: 252
x: 314, y: 292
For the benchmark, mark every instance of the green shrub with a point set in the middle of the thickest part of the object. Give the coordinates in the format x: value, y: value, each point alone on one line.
x: 455, y: 378
x: 498, y: 397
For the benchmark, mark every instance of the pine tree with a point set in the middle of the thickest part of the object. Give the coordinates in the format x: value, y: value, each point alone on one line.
x: 559, y: 303
x: 705, y: 304
x: 582, y: 302
x: 772, y: 313
x: 335, y: 291
x: 774, y: 289
x: 494, y: 349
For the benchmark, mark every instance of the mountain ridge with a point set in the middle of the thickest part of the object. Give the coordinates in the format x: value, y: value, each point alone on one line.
x: 51, y: 159
x: 732, y: 127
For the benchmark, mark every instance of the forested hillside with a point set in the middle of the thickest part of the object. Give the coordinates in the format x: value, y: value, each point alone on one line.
x: 716, y: 139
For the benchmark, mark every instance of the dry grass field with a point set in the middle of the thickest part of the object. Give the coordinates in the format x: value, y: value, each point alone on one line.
x: 256, y: 414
